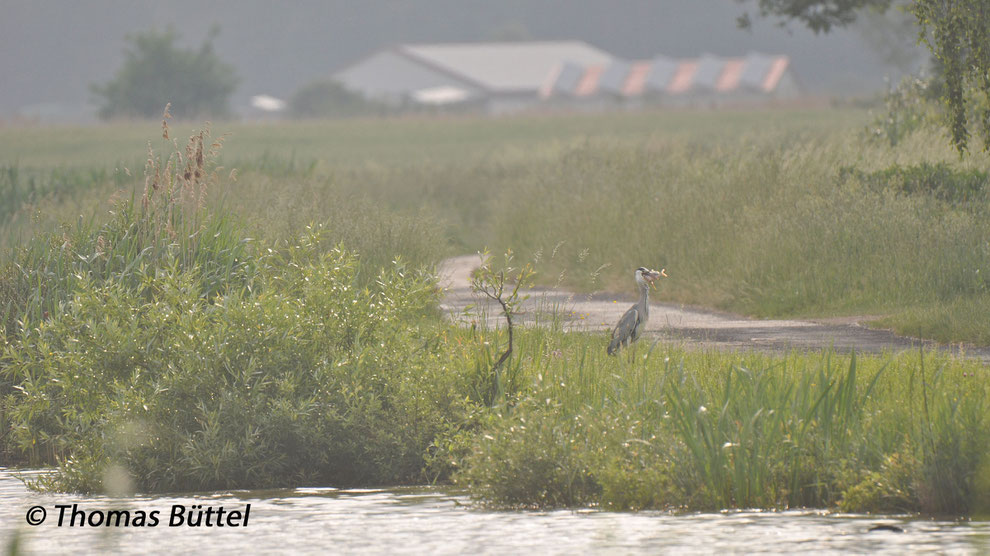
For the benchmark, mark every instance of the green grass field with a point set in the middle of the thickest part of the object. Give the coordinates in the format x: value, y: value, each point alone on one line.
x: 203, y: 327
x: 399, y: 142
x: 766, y: 213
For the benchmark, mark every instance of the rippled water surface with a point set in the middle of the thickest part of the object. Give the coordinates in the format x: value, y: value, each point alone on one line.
x: 430, y: 520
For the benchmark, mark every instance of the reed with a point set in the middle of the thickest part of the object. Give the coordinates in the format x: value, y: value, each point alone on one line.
x: 664, y: 428
x: 169, y: 221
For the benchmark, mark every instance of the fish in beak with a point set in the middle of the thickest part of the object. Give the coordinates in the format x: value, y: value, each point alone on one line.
x: 652, y: 276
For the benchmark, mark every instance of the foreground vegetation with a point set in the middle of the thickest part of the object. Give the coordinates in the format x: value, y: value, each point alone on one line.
x: 306, y: 378
x: 664, y: 428
x: 301, y: 376
x: 279, y: 325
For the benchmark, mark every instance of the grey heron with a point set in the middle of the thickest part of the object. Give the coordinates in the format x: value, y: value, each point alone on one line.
x: 632, y: 323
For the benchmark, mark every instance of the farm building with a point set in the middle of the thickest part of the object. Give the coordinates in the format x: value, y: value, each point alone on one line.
x: 498, y: 77
x: 705, y: 81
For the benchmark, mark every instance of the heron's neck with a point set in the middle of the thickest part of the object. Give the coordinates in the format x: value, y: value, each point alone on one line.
x: 644, y: 297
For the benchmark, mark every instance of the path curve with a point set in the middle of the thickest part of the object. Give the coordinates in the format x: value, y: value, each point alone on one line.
x: 691, y: 327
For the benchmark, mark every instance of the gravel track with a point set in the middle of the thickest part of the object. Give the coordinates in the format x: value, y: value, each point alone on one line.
x: 689, y: 326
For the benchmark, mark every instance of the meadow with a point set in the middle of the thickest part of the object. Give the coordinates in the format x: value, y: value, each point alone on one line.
x: 301, y: 257
x: 766, y: 213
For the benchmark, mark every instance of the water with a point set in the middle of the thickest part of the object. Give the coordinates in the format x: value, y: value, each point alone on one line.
x: 438, y: 521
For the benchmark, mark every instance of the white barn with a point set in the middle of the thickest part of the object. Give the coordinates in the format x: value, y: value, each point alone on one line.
x: 499, y: 77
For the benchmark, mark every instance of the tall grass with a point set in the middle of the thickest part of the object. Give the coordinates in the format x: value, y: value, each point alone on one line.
x: 765, y: 213
x: 168, y: 221
x: 666, y: 429
x: 19, y: 188
x: 759, y: 226
x: 192, y: 209
x: 399, y: 142
x: 35, y: 200
x: 280, y: 208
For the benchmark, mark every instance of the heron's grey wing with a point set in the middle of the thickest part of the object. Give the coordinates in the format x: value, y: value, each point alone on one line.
x: 625, y: 331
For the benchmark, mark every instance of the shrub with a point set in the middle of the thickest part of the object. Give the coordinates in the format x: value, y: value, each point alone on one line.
x: 533, y: 457
x: 298, y: 377
x: 889, y: 490
x: 907, y: 108
x: 939, y: 180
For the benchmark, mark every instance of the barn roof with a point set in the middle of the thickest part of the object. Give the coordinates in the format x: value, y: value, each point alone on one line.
x: 658, y: 72
x: 709, y: 73
x: 504, y: 67
x: 563, y: 79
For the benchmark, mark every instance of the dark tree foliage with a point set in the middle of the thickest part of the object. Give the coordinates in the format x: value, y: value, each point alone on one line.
x: 958, y: 34
x: 157, y: 72
x: 956, y: 31
x: 819, y: 15
x: 328, y: 99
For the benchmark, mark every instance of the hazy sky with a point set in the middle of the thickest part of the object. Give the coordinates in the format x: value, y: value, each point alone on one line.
x: 52, y: 50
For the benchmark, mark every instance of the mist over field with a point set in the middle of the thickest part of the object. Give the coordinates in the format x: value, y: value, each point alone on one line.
x: 51, y: 52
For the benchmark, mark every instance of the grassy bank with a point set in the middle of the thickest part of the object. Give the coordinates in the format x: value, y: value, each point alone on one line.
x: 669, y: 429
x: 306, y: 378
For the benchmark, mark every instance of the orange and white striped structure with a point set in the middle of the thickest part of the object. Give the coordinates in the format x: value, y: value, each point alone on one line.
x: 755, y: 75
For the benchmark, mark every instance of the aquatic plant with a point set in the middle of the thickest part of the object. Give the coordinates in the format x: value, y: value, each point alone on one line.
x: 704, y: 430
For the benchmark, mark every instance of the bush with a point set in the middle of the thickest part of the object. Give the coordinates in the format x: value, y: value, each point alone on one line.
x: 299, y: 377
x: 529, y: 459
x: 889, y: 490
x: 939, y: 180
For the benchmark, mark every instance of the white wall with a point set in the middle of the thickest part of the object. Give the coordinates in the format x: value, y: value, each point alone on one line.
x: 390, y: 77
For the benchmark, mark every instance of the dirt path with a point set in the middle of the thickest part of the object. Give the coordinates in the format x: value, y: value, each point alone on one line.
x: 692, y: 327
